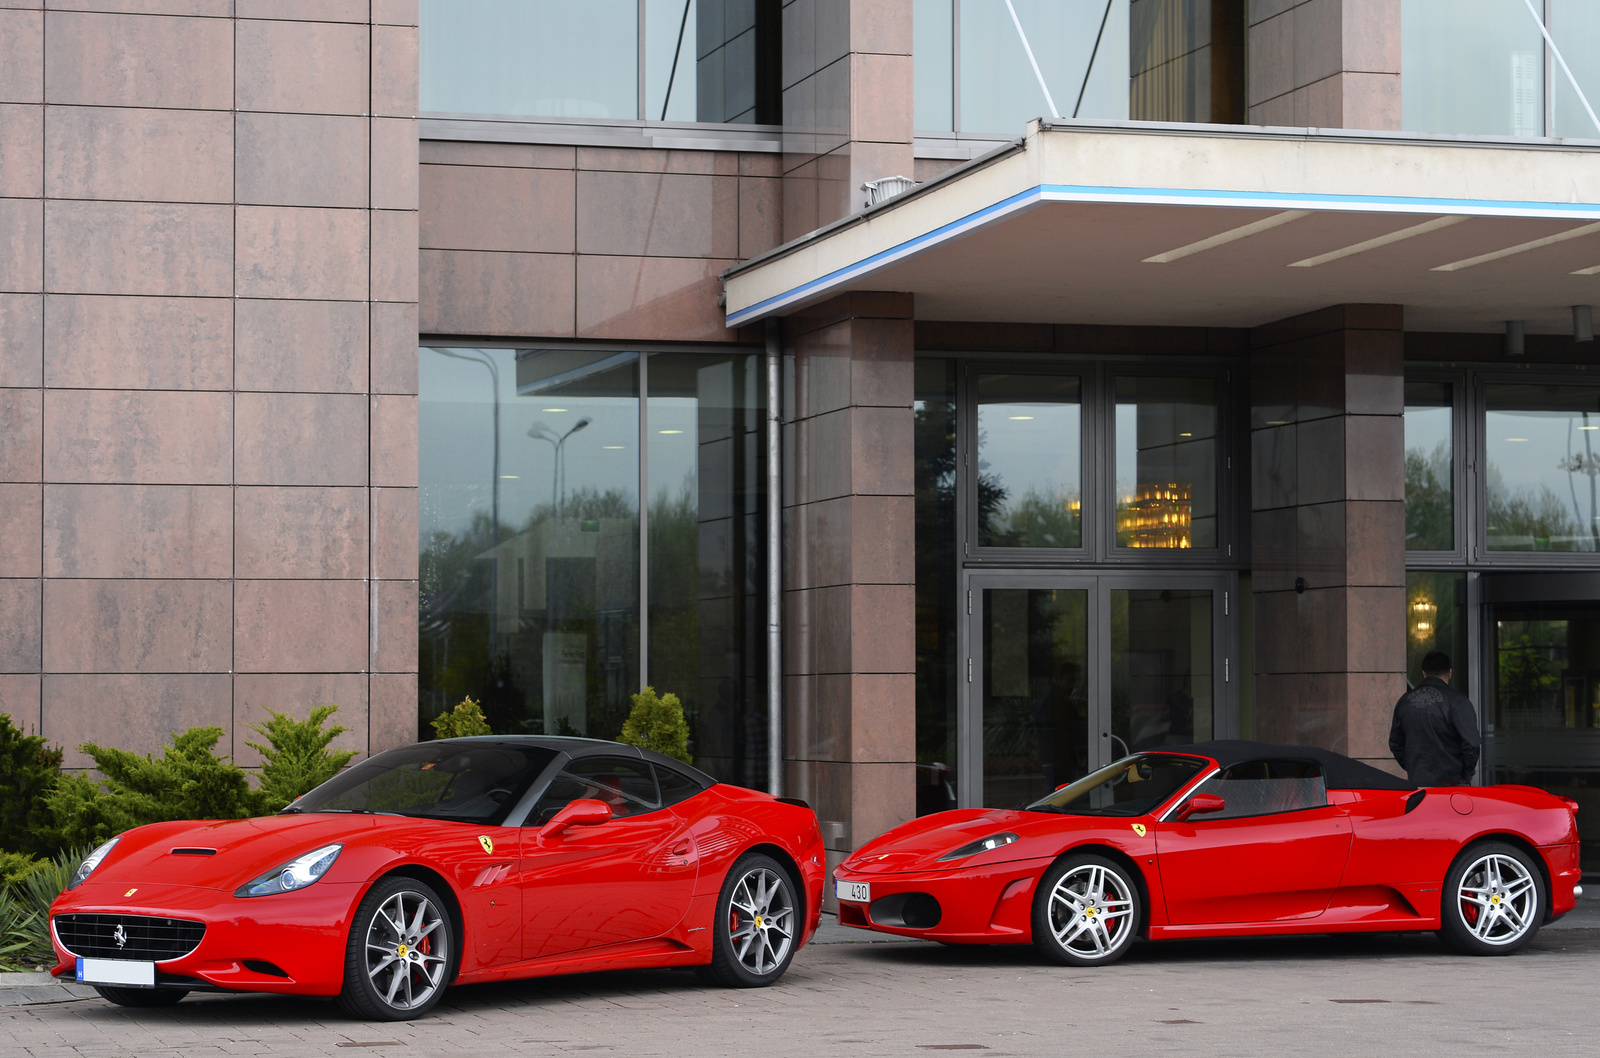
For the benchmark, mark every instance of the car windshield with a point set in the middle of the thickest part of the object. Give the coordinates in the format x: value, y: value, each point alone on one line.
x: 465, y: 781
x: 1133, y: 786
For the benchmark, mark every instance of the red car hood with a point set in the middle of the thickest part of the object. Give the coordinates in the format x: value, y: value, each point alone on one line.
x: 917, y: 845
x: 244, y: 848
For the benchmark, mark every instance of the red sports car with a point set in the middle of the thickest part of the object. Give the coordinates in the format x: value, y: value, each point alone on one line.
x: 463, y: 860
x: 1224, y: 839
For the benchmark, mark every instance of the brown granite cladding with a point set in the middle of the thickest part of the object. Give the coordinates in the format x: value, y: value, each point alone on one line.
x: 208, y: 320
x: 1328, y: 500
x: 535, y: 241
x: 1324, y: 63
x: 847, y: 94
x: 849, y: 666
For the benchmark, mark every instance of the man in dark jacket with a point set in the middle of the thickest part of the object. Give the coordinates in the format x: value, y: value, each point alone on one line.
x: 1435, y: 731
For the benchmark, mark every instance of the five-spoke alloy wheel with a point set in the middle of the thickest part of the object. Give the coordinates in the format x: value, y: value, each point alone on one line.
x: 1085, y: 911
x: 1493, y: 902
x: 399, y: 957
x: 757, y: 924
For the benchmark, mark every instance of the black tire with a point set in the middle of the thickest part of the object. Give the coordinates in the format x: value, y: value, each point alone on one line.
x: 140, y: 997
x: 397, y: 972
x: 1086, y: 911
x: 756, y: 927
x: 1492, y: 901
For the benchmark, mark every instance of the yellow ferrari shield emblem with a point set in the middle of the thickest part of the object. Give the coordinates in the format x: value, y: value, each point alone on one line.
x: 1138, y: 828
x: 129, y: 893
x: 487, y: 842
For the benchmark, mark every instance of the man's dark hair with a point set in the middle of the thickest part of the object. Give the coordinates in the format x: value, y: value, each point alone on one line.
x: 1435, y: 663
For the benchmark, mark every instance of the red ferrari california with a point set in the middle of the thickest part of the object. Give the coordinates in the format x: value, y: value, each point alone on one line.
x: 1224, y: 839
x: 463, y: 860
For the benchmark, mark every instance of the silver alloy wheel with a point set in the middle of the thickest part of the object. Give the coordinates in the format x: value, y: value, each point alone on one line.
x: 1497, y: 899
x: 761, y: 920
x: 404, y: 968
x: 1091, y: 911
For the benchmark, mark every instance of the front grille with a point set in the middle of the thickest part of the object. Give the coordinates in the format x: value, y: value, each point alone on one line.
x: 143, y: 937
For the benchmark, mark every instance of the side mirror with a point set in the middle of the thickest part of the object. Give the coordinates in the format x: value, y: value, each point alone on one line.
x: 1201, y: 804
x: 584, y: 812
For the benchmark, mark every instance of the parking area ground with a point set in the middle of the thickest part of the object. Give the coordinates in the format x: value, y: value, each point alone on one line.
x: 1329, y: 996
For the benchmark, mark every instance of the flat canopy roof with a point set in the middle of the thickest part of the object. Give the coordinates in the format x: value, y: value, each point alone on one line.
x: 1218, y: 226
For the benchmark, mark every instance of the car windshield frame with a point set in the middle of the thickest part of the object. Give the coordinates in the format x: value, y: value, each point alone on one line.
x: 1116, y: 773
x: 406, y: 771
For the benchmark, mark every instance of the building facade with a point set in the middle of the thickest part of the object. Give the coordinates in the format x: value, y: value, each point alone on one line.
x: 1208, y: 362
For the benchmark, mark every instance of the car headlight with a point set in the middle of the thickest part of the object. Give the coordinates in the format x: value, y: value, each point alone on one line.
x: 993, y: 841
x: 296, y: 874
x: 91, y: 861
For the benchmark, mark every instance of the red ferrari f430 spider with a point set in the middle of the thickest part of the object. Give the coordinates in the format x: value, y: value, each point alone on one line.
x: 1224, y: 839
x: 461, y: 860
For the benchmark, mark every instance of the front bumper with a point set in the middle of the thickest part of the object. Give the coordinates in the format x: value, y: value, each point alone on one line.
x: 989, y: 904
x: 302, y: 934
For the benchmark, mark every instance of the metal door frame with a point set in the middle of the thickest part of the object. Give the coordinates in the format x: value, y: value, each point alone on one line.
x: 1224, y: 586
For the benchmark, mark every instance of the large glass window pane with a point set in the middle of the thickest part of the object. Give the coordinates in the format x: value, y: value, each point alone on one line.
x: 533, y: 58
x: 1035, y: 692
x: 999, y: 91
x: 1030, y: 461
x: 671, y: 29
x: 529, y: 536
x: 1575, y: 25
x: 1436, y: 619
x: 706, y: 524
x: 1430, y: 453
x: 1543, y: 461
x: 934, y: 482
x: 1161, y: 668
x: 1166, y: 462
x: 1471, y: 67
x: 932, y: 45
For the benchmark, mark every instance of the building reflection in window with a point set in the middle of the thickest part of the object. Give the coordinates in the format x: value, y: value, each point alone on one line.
x: 1166, y: 456
x: 530, y: 594
x: 1542, y: 444
x: 1436, y: 619
x: 1471, y: 67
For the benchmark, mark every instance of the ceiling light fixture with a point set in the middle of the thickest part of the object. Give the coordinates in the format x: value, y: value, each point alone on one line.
x: 1582, y: 323
x: 1516, y: 333
x: 1232, y: 235
x: 1383, y: 240
x: 1521, y: 247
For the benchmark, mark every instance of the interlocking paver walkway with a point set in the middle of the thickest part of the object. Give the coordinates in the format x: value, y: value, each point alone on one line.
x: 1388, y: 995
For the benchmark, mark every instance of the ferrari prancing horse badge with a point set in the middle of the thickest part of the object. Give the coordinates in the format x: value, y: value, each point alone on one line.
x: 487, y: 842
x: 1138, y: 828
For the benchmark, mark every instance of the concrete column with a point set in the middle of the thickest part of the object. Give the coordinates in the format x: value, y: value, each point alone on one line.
x: 1328, y: 527
x: 1332, y: 64
x: 847, y: 95
x: 849, y: 613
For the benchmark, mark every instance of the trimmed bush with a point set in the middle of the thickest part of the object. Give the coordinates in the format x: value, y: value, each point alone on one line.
x: 464, y: 720
x: 29, y: 768
x: 657, y: 723
x: 296, y: 757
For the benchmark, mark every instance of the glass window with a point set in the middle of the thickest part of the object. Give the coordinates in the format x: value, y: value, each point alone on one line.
x: 999, y: 91
x: 675, y: 786
x: 934, y: 478
x: 1543, y: 458
x: 1161, y: 667
x: 1575, y: 26
x: 1030, y: 461
x: 1134, y: 786
x: 628, y: 786
x: 1430, y: 463
x: 1436, y: 619
x: 435, y: 780
x: 1265, y: 787
x: 529, y: 534
x: 933, y: 47
x: 1471, y: 67
x: 1166, y: 462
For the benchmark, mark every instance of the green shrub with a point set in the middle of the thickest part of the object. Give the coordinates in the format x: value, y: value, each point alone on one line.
x: 465, y: 719
x: 658, y: 724
x: 15, y: 866
x: 296, y: 757
x: 25, y: 911
x: 29, y: 768
x: 188, y: 781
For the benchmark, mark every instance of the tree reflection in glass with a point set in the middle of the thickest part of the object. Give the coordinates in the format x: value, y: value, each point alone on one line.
x: 1542, y: 464
x: 1030, y: 461
x: 1430, y: 492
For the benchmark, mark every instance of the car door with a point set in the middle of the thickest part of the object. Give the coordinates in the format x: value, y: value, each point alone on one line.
x: 624, y: 880
x: 1275, y: 852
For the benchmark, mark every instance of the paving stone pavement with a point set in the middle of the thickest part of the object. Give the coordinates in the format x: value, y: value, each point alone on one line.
x: 1332, y: 996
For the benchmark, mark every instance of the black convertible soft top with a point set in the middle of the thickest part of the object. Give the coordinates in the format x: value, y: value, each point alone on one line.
x: 1339, y: 771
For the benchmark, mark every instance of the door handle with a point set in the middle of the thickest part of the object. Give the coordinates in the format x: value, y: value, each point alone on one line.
x: 681, y: 848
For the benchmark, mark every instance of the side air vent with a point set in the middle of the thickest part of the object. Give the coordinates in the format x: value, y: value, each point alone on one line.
x: 1414, y: 800
x: 262, y: 966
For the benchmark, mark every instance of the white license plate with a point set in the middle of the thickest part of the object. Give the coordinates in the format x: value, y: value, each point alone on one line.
x: 855, y: 892
x: 117, y: 972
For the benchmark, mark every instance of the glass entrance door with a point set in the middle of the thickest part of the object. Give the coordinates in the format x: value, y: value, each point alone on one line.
x: 1068, y: 672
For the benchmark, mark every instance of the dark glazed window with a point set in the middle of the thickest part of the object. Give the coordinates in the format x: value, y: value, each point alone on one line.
x: 470, y: 782
x: 1430, y: 467
x: 1436, y: 619
x: 675, y: 786
x: 934, y: 477
x: 1166, y: 459
x: 628, y: 786
x: 1266, y: 787
x: 1542, y: 448
x: 1030, y: 460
